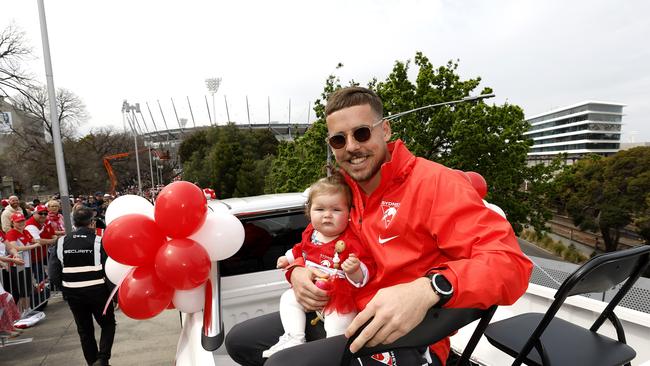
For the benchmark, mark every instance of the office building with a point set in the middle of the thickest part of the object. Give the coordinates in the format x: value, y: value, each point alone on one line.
x: 576, y: 130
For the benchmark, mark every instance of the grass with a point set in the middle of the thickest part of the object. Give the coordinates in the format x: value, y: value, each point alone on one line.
x: 569, y: 253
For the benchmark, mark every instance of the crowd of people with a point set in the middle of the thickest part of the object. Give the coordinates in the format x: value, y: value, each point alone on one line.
x: 30, y: 230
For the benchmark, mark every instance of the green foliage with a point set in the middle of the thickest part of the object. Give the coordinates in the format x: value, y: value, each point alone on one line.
x: 569, y: 253
x: 195, y: 143
x: 301, y: 162
x: 607, y: 194
x: 232, y: 161
x: 470, y: 136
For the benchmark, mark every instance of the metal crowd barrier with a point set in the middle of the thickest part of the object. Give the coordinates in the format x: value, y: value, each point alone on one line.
x: 29, y: 286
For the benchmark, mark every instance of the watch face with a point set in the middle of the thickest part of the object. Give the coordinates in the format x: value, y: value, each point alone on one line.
x: 442, y: 284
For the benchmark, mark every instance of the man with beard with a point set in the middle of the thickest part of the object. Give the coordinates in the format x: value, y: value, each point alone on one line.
x: 12, y: 208
x: 434, y: 241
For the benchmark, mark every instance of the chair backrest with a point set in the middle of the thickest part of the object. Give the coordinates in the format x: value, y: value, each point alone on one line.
x: 599, y: 274
x: 605, y: 271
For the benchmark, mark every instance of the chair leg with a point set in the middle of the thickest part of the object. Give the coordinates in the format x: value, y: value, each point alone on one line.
x: 476, y: 337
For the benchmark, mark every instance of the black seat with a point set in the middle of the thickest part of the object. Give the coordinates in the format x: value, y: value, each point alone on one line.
x: 543, y: 339
x: 436, y: 325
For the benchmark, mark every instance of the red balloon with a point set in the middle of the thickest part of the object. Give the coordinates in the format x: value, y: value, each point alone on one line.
x: 133, y: 239
x: 478, y: 182
x: 180, y: 209
x: 142, y: 295
x: 182, y: 264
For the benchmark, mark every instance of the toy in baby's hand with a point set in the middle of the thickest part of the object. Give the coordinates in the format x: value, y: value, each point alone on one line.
x: 324, y: 284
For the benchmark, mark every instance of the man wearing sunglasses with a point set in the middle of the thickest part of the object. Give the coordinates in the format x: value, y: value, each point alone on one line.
x: 434, y: 241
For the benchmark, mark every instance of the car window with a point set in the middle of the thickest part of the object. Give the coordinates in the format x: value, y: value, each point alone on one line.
x: 267, y: 238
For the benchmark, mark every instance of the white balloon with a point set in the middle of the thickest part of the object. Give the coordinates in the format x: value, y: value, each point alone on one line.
x: 116, y: 271
x: 189, y: 301
x: 128, y: 204
x: 222, y: 234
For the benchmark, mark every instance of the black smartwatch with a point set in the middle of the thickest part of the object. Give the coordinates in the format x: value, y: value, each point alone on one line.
x: 442, y: 287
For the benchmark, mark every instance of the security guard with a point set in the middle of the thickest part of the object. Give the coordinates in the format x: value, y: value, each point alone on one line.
x: 78, y: 268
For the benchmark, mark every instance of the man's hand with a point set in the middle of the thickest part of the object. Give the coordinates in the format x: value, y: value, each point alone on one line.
x: 396, y: 311
x: 283, y: 262
x: 307, y: 294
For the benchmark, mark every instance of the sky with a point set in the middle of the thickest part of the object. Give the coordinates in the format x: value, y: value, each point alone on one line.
x: 540, y: 55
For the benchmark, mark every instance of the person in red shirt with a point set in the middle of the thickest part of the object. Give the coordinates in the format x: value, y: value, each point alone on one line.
x: 42, y: 234
x: 433, y: 240
x: 18, y: 240
x: 328, y: 246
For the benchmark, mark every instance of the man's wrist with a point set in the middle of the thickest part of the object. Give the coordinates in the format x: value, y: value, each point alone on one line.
x: 441, y: 287
x: 293, y: 268
x: 430, y: 296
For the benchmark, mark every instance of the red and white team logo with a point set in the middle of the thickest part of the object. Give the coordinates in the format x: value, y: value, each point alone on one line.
x: 326, y: 263
x: 389, y: 210
x: 386, y: 358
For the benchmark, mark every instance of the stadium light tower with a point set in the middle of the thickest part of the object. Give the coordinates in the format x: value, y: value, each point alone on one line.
x: 213, y: 86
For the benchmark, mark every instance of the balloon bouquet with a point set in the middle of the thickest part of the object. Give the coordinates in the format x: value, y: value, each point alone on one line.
x: 165, y: 256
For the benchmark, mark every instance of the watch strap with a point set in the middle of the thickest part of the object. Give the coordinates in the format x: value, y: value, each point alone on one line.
x: 444, y: 296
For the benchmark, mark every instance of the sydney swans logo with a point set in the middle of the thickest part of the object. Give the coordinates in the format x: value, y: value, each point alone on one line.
x: 389, y: 210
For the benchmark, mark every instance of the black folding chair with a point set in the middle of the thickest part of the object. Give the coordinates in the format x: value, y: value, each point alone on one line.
x: 543, y: 339
x: 436, y: 325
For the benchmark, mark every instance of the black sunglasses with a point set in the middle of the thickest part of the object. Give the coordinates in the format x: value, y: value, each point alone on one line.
x: 43, y: 213
x: 360, y: 134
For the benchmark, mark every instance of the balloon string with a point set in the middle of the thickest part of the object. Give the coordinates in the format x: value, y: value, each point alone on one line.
x: 117, y: 287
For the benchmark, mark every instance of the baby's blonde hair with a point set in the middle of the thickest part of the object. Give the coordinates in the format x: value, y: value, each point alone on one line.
x: 334, y: 184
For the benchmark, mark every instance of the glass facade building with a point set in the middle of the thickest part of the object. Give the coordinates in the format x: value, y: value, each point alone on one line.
x: 577, y: 130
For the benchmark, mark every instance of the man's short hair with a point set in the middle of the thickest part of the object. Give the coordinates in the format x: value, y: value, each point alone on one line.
x: 353, y: 96
x: 83, y: 216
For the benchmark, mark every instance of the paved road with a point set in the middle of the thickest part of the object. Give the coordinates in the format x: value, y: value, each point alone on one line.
x: 535, y: 251
x: 55, y: 340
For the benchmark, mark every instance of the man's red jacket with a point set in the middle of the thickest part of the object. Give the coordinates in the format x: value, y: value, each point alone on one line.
x: 425, y: 216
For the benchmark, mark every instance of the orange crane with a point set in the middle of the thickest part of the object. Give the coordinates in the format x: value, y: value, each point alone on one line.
x: 109, y: 169
x: 159, y: 154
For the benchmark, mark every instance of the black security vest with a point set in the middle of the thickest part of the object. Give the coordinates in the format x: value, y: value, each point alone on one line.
x: 80, y: 256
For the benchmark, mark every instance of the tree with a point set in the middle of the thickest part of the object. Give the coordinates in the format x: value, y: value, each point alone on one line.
x: 470, y: 136
x: 31, y: 141
x: 84, y: 157
x: 12, y: 53
x: 232, y: 161
x: 642, y: 221
x: 34, y: 102
x: 607, y: 194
